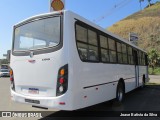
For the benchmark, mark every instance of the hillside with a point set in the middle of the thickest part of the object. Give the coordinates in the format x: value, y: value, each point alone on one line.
x: 146, y: 23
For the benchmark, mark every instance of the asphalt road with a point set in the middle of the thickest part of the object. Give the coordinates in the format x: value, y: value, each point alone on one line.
x: 146, y: 99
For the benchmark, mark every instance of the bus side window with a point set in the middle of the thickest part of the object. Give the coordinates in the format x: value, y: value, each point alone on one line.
x: 93, y: 53
x: 119, y: 52
x: 104, y: 48
x: 87, y: 43
x: 104, y: 55
x: 81, y: 33
x: 130, y: 56
x: 139, y: 58
x: 124, y: 52
x: 143, y: 59
x: 92, y: 46
x: 82, y: 50
x: 112, y: 50
x: 92, y: 56
x: 81, y: 39
x: 81, y: 54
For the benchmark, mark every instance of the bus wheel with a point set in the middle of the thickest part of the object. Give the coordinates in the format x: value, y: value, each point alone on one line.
x: 120, y: 92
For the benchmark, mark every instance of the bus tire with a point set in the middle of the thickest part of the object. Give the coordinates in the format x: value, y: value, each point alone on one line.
x: 120, y: 92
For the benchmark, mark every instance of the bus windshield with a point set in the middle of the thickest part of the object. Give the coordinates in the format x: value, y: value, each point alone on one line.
x: 37, y: 34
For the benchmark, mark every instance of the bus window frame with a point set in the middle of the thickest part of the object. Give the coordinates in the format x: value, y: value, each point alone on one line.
x: 87, y: 43
x: 41, y: 50
x: 99, y: 33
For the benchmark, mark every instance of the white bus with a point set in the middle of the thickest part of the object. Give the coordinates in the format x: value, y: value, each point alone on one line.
x: 61, y: 60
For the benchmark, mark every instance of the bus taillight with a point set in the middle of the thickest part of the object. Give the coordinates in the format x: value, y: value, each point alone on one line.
x: 12, y: 79
x: 62, y: 82
x: 62, y: 72
x: 11, y: 75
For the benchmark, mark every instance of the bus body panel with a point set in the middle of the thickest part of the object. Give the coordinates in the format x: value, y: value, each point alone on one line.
x: 142, y: 72
x: 91, y: 74
x: 41, y: 74
x: 46, y: 102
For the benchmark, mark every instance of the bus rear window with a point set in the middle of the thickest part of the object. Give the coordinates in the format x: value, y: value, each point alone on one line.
x: 38, y: 34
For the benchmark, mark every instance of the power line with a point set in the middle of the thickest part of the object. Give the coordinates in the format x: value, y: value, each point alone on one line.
x: 112, y: 10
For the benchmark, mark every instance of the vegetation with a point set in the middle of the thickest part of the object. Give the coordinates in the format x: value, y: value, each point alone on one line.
x: 149, y: 2
x: 154, y: 59
x: 146, y: 24
x: 3, y: 61
x: 156, y: 71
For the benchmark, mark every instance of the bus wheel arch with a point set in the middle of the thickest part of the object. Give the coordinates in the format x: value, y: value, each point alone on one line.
x: 120, y: 92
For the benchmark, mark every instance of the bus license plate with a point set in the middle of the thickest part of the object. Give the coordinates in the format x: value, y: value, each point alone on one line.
x: 33, y: 91
x: 32, y: 101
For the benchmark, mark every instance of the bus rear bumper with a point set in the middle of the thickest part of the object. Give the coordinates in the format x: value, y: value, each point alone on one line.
x: 46, y: 102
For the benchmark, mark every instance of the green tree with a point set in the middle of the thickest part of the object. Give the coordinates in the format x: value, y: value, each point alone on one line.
x: 3, y: 61
x: 154, y: 58
x: 149, y: 2
x: 140, y: 1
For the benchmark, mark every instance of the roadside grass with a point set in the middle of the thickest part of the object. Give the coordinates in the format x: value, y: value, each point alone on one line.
x: 155, y: 72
